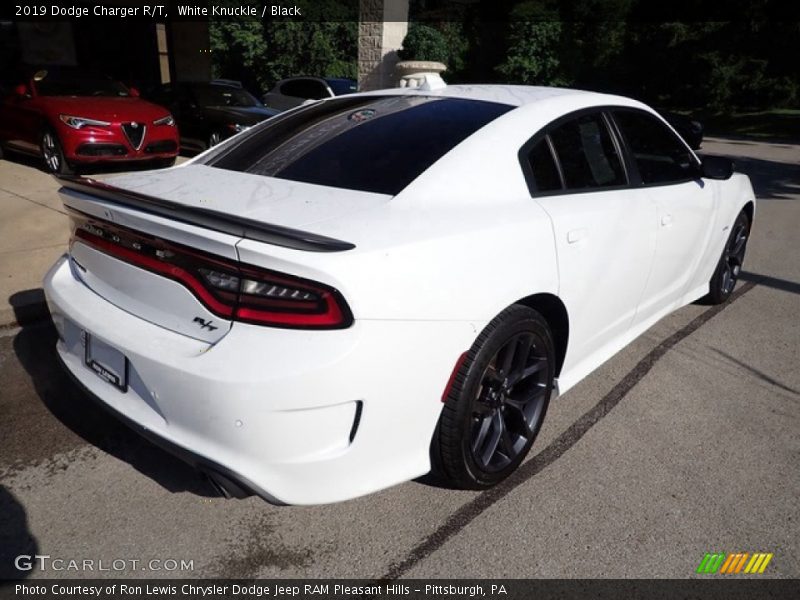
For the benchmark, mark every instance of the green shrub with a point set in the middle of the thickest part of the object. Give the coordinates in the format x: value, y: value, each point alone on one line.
x: 423, y: 42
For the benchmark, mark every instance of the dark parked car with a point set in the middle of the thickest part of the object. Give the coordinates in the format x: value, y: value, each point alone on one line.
x: 70, y: 117
x: 210, y: 112
x: 295, y: 91
x: 689, y: 129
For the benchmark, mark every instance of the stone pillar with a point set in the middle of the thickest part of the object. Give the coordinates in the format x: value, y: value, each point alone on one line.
x: 382, y: 26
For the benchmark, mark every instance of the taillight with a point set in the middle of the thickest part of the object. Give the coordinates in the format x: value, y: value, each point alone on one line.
x: 227, y: 288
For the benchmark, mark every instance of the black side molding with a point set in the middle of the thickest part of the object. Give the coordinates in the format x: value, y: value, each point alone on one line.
x: 203, y: 217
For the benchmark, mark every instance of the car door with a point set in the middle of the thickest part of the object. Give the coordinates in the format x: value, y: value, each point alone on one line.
x: 604, y: 231
x: 670, y: 173
x: 20, y: 121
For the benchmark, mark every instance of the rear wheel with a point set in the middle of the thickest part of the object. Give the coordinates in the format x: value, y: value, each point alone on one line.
x: 497, y: 401
x: 53, y: 154
x: 730, y: 263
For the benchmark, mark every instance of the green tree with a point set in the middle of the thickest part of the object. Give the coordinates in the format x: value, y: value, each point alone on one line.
x: 532, y: 56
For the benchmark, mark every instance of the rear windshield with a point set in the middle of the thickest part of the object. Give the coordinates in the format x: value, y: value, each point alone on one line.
x: 371, y: 144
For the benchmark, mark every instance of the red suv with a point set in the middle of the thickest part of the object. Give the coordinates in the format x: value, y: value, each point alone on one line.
x: 71, y: 117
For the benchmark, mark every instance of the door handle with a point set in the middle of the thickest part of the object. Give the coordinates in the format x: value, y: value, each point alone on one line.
x: 575, y: 235
x: 666, y: 220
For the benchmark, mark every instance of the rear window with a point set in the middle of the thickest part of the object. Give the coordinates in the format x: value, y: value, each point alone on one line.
x: 371, y: 144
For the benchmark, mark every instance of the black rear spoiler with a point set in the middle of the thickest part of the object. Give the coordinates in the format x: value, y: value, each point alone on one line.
x: 203, y: 217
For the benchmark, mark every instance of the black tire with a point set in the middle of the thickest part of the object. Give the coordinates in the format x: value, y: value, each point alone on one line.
x: 723, y: 281
x: 214, y: 138
x: 53, y: 154
x: 497, y: 402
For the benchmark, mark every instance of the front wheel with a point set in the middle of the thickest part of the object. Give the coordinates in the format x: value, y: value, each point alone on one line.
x: 53, y: 154
x: 497, y: 401
x: 730, y: 263
x: 214, y: 138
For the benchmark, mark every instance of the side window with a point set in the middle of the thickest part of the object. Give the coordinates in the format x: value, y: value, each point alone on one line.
x: 587, y: 154
x: 660, y: 156
x: 543, y: 168
x: 304, y: 88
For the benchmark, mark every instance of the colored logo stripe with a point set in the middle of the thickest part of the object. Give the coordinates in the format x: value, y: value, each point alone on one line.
x: 758, y: 563
x: 734, y: 563
x: 711, y: 562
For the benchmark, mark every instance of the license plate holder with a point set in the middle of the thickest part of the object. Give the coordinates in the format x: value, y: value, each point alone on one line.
x: 108, y: 363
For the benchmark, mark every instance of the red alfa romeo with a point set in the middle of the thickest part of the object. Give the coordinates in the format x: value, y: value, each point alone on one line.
x: 71, y: 117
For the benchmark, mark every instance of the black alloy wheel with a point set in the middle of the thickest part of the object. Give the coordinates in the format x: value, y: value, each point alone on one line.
x: 53, y: 154
x: 214, y: 139
x: 497, y: 402
x: 730, y: 264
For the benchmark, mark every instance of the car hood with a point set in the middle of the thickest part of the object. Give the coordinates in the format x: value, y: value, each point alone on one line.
x: 105, y: 109
x: 241, y: 115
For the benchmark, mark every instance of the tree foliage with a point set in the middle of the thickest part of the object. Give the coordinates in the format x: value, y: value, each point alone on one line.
x: 746, y: 61
x: 259, y: 53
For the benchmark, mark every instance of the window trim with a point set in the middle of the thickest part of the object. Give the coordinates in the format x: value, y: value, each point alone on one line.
x: 544, y: 133
x: 697, y: 174
x: 629, y: 167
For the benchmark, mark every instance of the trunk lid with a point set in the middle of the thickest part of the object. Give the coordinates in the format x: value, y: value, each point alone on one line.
x: 192, y: 211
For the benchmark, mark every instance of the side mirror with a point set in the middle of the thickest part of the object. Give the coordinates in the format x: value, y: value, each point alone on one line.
x: 134, y: 92
x: 21, y: 91
x: 717, y: 167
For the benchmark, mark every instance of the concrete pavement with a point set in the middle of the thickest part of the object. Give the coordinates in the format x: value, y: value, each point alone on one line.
x: 34, y: 232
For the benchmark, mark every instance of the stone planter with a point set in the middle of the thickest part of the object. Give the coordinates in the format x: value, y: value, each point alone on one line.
x: 419, y: 73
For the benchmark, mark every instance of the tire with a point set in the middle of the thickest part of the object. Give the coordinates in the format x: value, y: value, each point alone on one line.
x: 214, y: 138
x: 53, y: 154
x: 723, y: 281
x: 497, y: 401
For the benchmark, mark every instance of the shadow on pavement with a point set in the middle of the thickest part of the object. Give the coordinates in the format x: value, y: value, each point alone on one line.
x: 35, y: 348
x: 772, y: 180
x: 759, y: 374
x: 15, y: 537
x: 774, y: 282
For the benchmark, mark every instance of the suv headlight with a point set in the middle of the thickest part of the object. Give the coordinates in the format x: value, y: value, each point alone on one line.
x: 81, y: 122
x: 168, y: 120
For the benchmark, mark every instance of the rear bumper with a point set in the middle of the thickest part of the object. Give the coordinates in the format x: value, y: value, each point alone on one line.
x: 297, y: 417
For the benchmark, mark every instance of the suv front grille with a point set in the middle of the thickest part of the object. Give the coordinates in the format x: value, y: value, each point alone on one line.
x: 135, y: 133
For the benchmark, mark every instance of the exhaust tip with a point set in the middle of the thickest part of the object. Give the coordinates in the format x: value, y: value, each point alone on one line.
x: 226, y: 487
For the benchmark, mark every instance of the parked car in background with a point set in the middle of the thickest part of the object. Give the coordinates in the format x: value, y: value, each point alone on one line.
x: 209, y: 112
x: 73, y: 117
x: 688, y: 128
x: 378, y: 284
x: 295, y: 91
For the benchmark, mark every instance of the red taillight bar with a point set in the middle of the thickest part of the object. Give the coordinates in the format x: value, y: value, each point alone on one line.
x: 308, y: 305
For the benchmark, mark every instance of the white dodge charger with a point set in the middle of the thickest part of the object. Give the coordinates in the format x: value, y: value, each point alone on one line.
x: 359, y: 291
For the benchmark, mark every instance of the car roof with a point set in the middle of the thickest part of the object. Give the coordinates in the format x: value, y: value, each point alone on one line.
x: 514, y: 95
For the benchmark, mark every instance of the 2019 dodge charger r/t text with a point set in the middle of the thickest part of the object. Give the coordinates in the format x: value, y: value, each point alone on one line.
x: 354, y: 292
x: 71, y: 117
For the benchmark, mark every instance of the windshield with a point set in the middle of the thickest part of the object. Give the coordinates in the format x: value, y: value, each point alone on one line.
x: 340, y: 87
x: 77, y: 83
x: 223, y: 95
x: 374, y: 144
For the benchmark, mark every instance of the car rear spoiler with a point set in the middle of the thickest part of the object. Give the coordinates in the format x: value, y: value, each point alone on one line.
x: 204, y: 217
